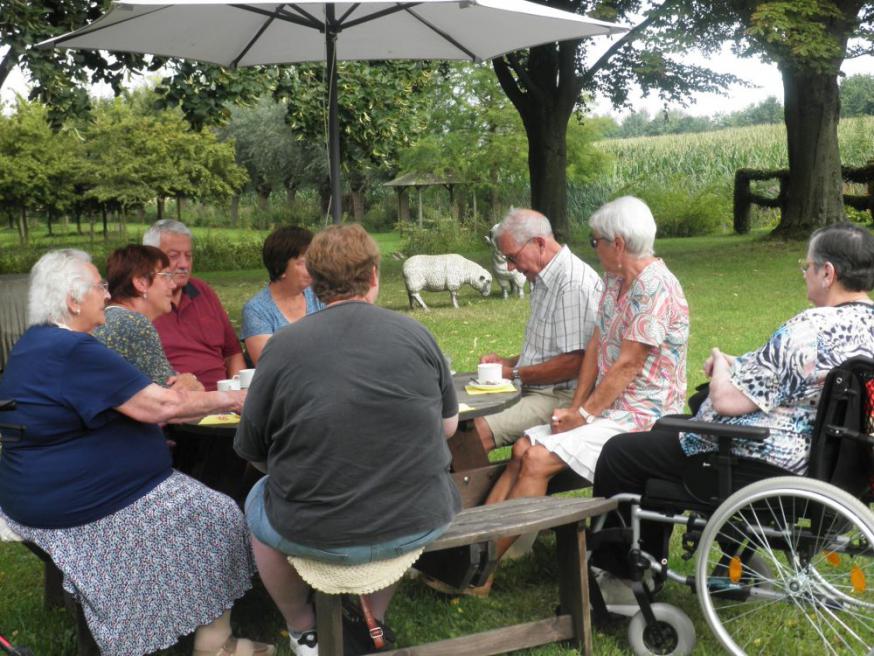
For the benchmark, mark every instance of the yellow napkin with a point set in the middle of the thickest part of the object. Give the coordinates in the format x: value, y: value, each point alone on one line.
x: 473, y: 389
x: 463, y: 407
x: 220, y: 420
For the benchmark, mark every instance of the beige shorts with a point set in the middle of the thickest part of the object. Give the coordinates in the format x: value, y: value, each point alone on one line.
x: 535, y: 407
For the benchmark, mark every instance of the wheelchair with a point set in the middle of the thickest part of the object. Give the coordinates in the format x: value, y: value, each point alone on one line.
x: 781, y: 559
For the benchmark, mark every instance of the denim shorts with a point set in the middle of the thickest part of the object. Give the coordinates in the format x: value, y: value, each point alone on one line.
x: 352, y: 555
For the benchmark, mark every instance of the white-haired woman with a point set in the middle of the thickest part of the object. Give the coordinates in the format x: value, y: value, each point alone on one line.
x: 89, y: 481
x: 634, y: 368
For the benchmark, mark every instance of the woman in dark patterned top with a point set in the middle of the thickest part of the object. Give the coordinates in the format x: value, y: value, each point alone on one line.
x: 141, y: 285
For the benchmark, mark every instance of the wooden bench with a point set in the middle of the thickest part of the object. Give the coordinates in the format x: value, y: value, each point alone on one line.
x: 482, y: 524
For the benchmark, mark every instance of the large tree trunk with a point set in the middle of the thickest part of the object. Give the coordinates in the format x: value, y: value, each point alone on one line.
x: 551, y: 90
x: 160, y: 206
x: 815, y: 189
x: 547, y: 167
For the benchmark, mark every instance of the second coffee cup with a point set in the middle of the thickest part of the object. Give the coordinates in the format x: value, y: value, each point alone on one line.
x: 489, y: 373
x: 245, y: 376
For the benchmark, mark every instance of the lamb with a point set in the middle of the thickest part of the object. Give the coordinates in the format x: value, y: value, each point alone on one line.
x: 508, y: 280
x: 436, y: 273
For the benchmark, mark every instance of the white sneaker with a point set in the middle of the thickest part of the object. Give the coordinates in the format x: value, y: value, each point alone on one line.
x: 306, y: 644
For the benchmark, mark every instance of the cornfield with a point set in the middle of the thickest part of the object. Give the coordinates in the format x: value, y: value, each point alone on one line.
x: 712, y: 157
x: 689, y: 177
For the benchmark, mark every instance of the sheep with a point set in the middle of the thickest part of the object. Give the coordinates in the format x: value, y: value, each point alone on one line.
x: 508, y: 280
x: 436, y: 273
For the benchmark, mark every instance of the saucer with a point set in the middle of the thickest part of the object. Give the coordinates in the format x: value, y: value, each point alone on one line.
x: 504, y: 381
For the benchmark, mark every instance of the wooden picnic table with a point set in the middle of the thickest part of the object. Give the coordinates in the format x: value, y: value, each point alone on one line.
x: 206, y: 452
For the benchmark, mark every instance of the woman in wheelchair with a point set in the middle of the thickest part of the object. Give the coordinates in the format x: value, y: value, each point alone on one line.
x: 777, y: 387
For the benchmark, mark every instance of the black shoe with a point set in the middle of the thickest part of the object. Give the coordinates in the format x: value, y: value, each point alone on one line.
x: 356, y: 636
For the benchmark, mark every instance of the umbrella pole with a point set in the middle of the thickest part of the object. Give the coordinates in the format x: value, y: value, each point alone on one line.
x: 333, y: 127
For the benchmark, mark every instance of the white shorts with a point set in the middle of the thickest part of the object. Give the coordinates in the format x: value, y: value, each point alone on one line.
x: 579, y: 447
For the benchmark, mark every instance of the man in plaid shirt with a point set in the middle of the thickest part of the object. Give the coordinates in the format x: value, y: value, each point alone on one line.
x: 565, y: 292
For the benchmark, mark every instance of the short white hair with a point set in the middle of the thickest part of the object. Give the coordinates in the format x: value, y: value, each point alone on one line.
x: 153, y: 234
x: 630, y: 218
x: 523, y: 225
x: 57, y: 275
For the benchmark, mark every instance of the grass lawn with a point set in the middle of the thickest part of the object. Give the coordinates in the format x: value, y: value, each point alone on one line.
x: 739, y: 290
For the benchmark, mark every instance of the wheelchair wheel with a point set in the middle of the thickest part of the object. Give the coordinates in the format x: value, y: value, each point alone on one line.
x: 808, y: 586
x: 673, y: 634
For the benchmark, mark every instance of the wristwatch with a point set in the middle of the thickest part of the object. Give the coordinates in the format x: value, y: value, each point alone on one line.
x: 585, y: 414
x: 517, y: 378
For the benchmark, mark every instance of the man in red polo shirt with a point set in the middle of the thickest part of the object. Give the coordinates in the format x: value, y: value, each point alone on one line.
x: 197, y: 335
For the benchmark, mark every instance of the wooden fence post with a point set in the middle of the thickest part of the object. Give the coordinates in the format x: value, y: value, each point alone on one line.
x: 741, y: 202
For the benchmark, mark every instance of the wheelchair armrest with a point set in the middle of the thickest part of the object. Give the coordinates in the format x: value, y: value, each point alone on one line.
x: 7, y: 405
x: 723, y: 460
x: 717, y: 430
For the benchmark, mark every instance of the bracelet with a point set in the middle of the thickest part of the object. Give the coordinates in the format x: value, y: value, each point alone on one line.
x: 516, y: 375
x: 585, y: 414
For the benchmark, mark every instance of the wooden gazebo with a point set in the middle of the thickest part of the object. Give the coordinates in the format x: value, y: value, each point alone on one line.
x: 419, y: 181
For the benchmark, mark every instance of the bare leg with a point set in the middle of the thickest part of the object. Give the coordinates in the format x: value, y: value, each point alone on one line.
x: 287, y: 589
x: 211, y: 637
x: 538, y: 466
x: 505, y: 483
x: 486, y: 438
x: 380, y: 600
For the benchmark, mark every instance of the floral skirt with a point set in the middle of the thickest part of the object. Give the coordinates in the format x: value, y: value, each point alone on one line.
x: 156, y: 570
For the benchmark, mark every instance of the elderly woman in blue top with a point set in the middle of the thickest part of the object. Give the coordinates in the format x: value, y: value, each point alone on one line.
x: 150, y: 553
x: 287, y: 297
x: 776, y: 386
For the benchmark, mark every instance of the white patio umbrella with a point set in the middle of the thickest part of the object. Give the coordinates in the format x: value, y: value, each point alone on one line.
x: 235, y: 34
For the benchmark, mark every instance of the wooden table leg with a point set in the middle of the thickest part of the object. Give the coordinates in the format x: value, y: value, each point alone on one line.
x: 574, y: 582
x: 466, y: 448
x: 329, y: 623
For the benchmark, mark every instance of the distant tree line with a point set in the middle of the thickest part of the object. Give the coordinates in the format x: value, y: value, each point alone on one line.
x: 856, y: 93
x: 124, y: 155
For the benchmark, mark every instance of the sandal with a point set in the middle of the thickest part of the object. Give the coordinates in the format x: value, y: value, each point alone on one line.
x: 239, y: 647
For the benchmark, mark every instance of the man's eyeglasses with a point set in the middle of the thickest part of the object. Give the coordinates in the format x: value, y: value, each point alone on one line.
x: 594, y: 241
x: 805, y: 264
x: 512, y: 258
x: 101, y: 285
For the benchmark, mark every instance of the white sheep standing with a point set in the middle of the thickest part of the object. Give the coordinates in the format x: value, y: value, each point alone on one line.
x: 437, y: 273
x: 509, y: 281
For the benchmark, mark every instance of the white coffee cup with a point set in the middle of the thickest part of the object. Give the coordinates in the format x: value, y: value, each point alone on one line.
x: 245, y: 376
x: 489, y: 373
x: 228, y: 384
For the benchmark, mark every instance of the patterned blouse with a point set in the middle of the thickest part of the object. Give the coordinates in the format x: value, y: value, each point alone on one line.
x: 132, y: 335
x: 653, y: 311
x: 784, y: 378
